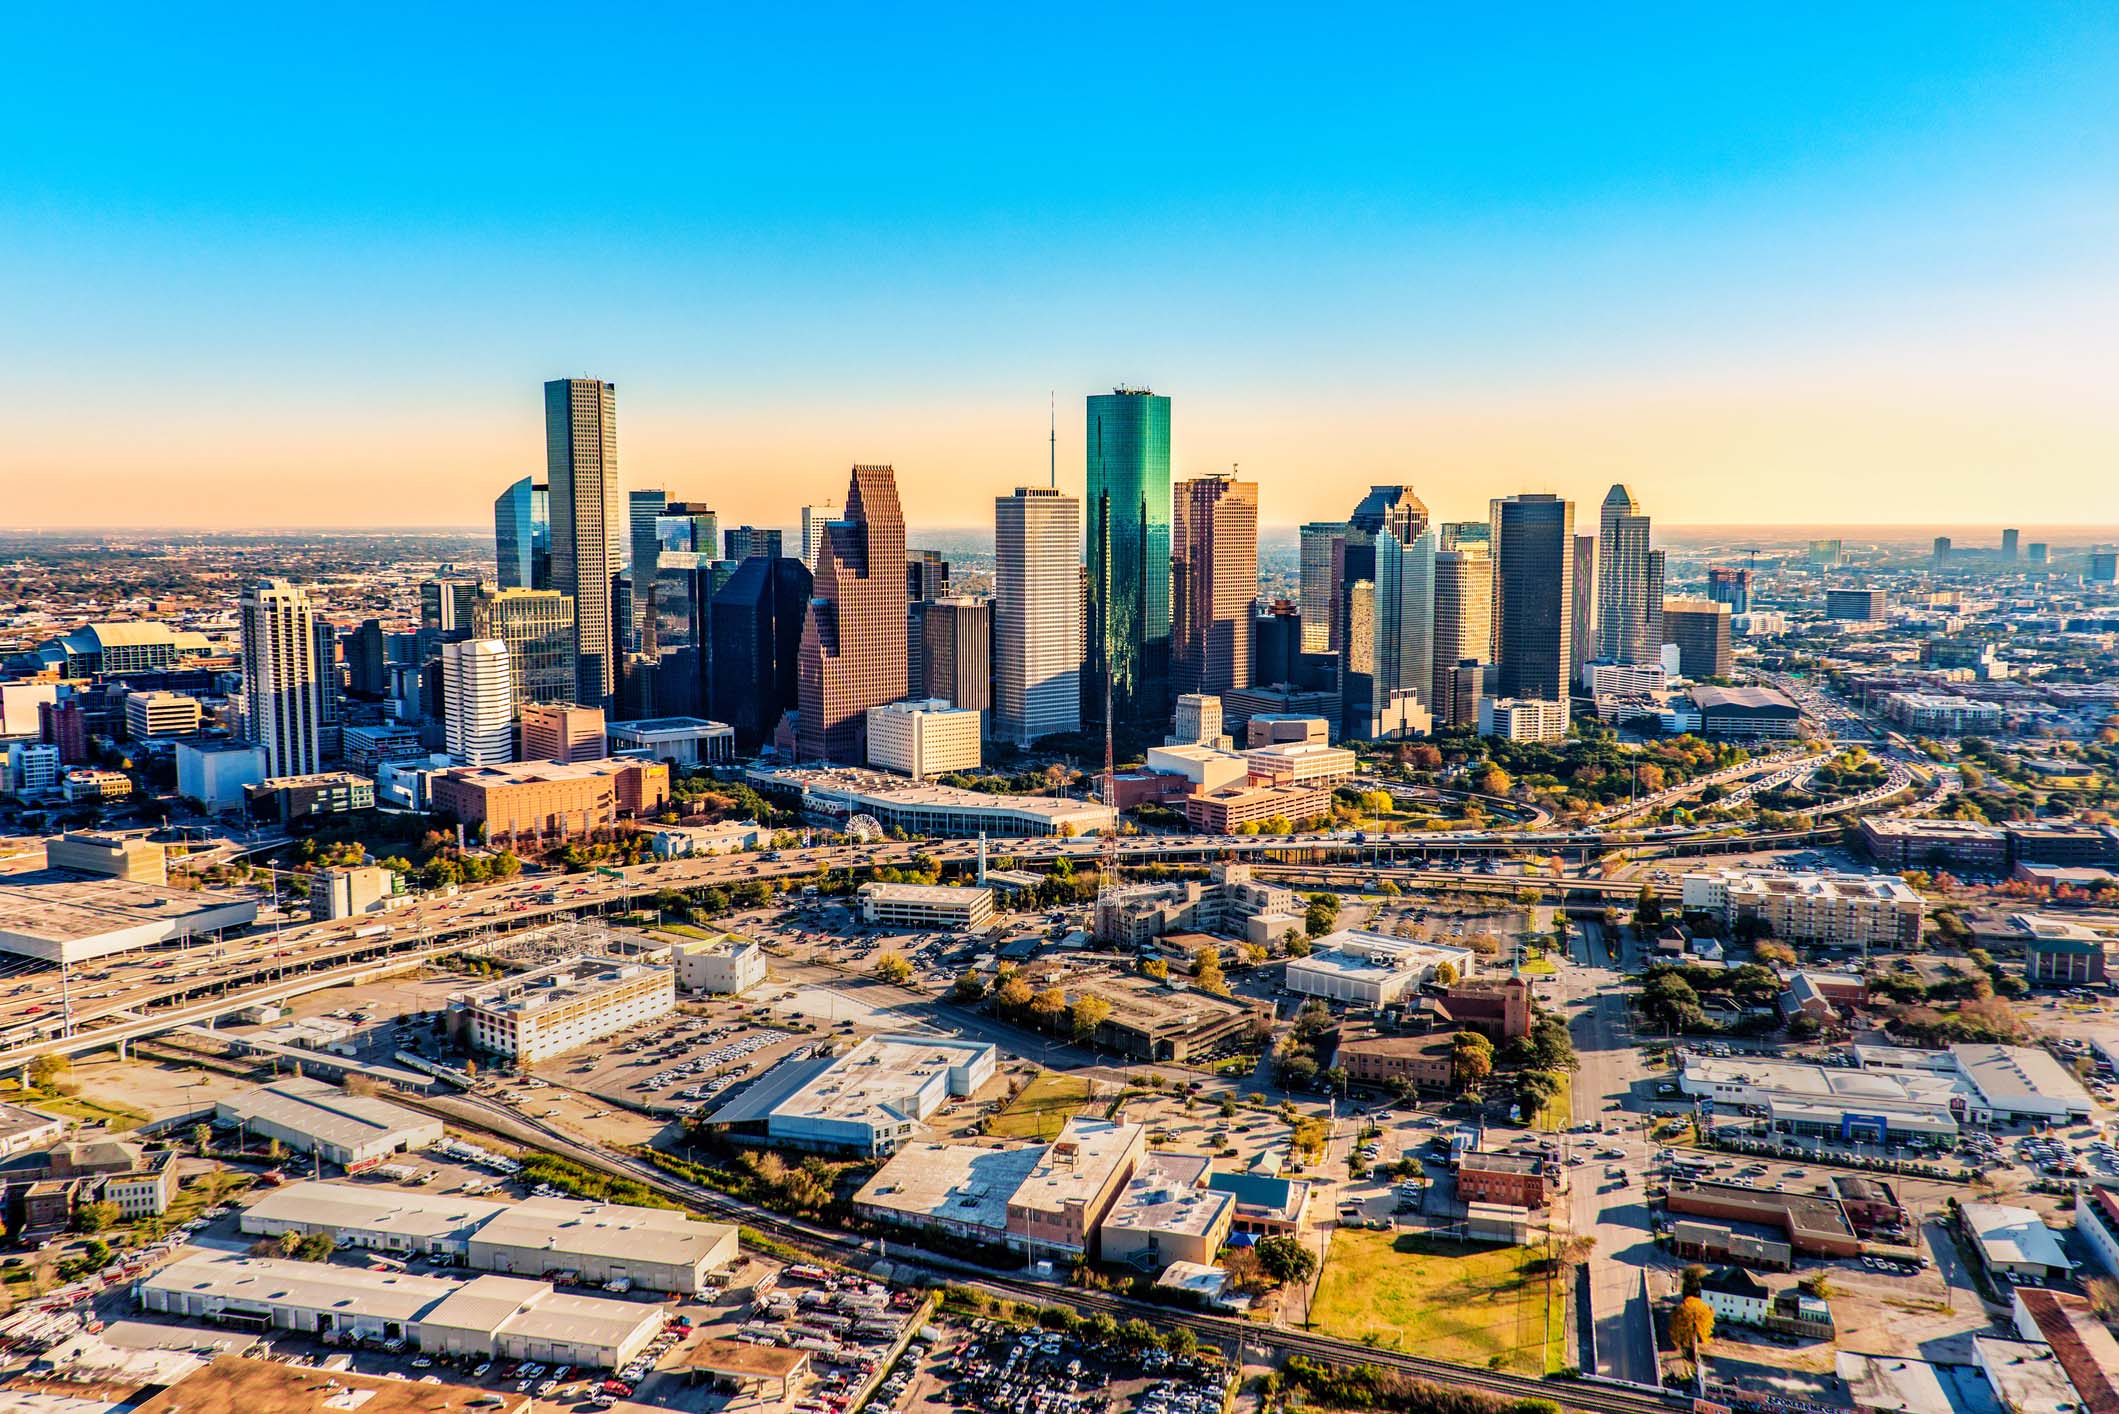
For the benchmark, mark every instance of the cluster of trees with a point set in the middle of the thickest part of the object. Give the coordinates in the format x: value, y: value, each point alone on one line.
x: 1320, y: 914
x: 295, y: 1247
x: 1364, y: 1387
x: 1049, y: 1009
x: 1671, y: 993
x: 1299, y: 1056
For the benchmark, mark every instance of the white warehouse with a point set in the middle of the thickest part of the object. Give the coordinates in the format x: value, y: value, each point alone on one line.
x: 868, y: 1101
x: 1369, y: 969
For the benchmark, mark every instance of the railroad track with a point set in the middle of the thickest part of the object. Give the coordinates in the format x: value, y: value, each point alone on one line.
x: 833, y: 1245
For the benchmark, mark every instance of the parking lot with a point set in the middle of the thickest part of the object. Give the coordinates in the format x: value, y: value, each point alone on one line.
x: 999, y: 1368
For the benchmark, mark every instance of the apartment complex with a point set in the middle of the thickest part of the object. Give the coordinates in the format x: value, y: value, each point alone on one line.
x: 1835, y: 910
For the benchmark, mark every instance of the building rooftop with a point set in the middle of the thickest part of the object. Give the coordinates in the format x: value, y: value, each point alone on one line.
x: 409, y: 1213
x: 878, y: 1081
x: 572, y: 980
x: 1753, y: 699
x: 2085, y: 1347
x: 59, y: 906
x: 2012, y: 1077
x: 738, y: 1359
x: 272, y: 1281
x: 1158, y: 1199
x: 324, y: 1111
x: 1358, y: 953
x: 856, y: 784
x: 2011, y: 1234
x: 952, y: 1183
x: 1829, y: 886
x: 921, y: 893
x: 515, y: 773
x: 2028, y: 1377
x: 1078, y: 1164
x: 14, y: 1120
x: 314, y: 778
x: 1889, y: 1385
x: 1804, y: 1213
x: 236, y: 1384
x: 576, y: 1227
x: 1492, y: 1161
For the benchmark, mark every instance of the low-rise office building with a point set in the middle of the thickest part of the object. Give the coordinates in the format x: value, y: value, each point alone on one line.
x: 355, y: 1132
x: 1164, y: 1215
x: 1266, y: 1205
x: 158, y: 714
x: 1063, y: 1200
x: 1369, y: 969
x: 724, y: 966
x: 867, y: 1102
x: 349, y: 892
x: 1229, y: 809
x: 1814, y: 1225
x: 124, y: 857
x: 286, y: 800
x: 1924, y: 842
x: 923, y: 738
x: 554, y: 1009
x: 1519, y: 1180
x: 90, y: 783
x: 926, y: 907
x: 1425, y: 1059
x: 1299, y: 763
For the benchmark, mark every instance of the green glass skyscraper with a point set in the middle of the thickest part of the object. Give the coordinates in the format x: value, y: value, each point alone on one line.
x: 1129, y: 558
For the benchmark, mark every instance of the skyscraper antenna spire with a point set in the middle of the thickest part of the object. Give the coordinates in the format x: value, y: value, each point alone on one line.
x: 1052, y: 433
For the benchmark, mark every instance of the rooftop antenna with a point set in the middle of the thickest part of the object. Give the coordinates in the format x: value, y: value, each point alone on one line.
x: 1052, y: 432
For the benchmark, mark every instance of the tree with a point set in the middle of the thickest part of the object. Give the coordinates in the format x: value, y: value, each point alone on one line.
x: 315, y: 1247
x: 1286, y: 1260
x: 201, y: 1137
x: 1471, y: 1059
x: 1087, y: 1014
x: 1206, y: 972
x: 1445, y: 974
x: 1647, y: 910
x: 1156, y: 968
x: 1048, y: 1005
x: 1691, y: 1324
x: 1014, y: 994
x: 1180, y: 1342
x: 969, y: 987
x: 96, y: 1217
x: 1321, y: 914
x: 1817, y: 1284
x: 48, y: 1072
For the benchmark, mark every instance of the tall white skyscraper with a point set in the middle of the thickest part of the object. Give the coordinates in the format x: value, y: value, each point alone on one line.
x: 478, y: 702
x: 1629, y: 583
x: 1405, y: 629
x: 589, y: 522
x: 1037, y: 614
x: 282, y: 687
x: 814, y: 519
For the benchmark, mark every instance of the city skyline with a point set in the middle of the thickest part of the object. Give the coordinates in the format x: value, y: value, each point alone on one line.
x: 1687, y: 253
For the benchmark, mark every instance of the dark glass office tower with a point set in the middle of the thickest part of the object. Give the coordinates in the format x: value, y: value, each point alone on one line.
x: 676, y: 635
x: 756, y: 636
x: 1129, y: 558
x: 1385, y: 510
x: 588, y: 524
x: 1533, y: 547
x: 741, y: 542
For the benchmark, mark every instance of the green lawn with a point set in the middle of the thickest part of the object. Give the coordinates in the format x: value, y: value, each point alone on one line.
x: 1539, y: 966
x: 1044, y: 1105
x: 1559, y: 1114
x: 116, y: 1117
x: 1468, y: 1303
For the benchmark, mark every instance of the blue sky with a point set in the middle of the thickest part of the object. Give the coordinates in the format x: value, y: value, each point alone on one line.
x: 1689, y: 244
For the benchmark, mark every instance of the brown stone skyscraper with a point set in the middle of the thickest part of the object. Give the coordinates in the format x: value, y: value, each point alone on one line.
x: 853, y: 641
x: 1213, y: 579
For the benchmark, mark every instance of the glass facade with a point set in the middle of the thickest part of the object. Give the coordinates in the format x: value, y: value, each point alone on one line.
x: 516, y: 537
x: 1129, y: 557
x: 1533, y: 539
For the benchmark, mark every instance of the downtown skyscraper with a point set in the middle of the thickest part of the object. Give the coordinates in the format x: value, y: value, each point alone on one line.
x: 283, y: 704
x: 1386, y: 511
x: 1037, y: 615
x: 1401, y: 691
x: 478, y: 702
x: 1463, y: 630
x: 522, y: 535
x: 853, y: 641
x: 1213, y: 581
x: 588, y: 523
x: 1534, y: 560
x: 1128, y: 455
x: 1629, y: 584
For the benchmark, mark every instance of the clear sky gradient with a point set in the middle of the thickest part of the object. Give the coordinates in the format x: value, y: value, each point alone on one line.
x: 280, y: 267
